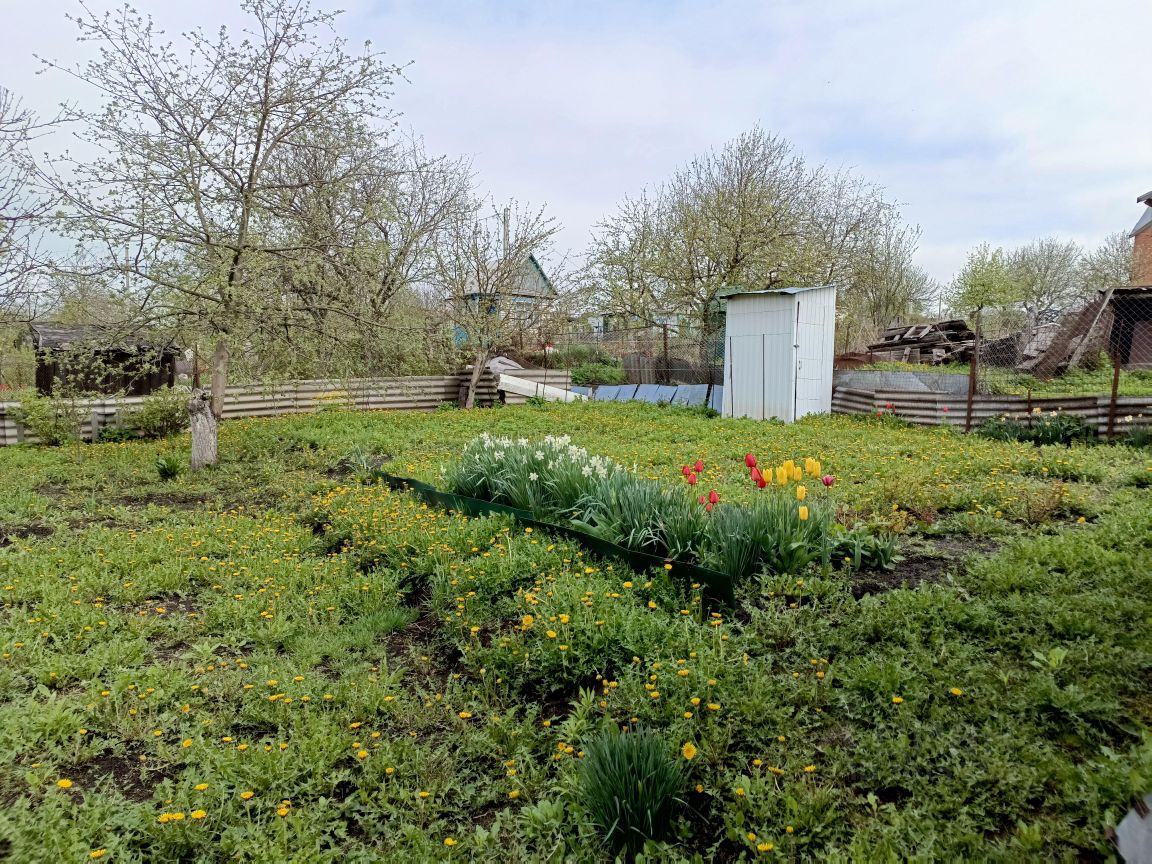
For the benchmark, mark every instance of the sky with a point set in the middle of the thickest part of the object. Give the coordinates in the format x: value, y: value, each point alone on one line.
x: 987, y: 121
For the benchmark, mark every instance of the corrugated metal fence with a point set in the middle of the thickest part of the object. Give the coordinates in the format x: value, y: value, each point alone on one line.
x: 938, y: 409
x: 294, y: 397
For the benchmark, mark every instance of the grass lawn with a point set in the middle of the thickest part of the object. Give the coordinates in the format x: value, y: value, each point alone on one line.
x: 271, y: 662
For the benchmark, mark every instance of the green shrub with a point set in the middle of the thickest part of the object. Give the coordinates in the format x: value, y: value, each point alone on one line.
x: 161, y: 413
x: 589, y: 374
x: 54, y: 421
x: 630, y: 784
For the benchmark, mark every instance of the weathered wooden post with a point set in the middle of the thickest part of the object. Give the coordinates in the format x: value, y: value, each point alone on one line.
x: 973, y: 371
x: 203, y: 424
x: 1114, y: 396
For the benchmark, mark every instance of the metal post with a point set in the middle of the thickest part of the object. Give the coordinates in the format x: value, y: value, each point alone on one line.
x: 973, y: 368
x: 667, y: 371
x: 1115, y: 394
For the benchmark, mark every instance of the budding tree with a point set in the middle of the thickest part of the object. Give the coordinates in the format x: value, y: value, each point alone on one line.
x: 752, y: 214
x: 21, y: 208
x: 188, y: 193
x: 486, y: 277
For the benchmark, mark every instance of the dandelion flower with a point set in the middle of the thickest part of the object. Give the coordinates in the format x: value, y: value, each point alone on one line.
x: 198, y: 814
x: 246, y: 796
x: 97, y: 853
x: 896, y: 700
x: 449, y: 841
x: 64, y: 783
x: 688, y: 751
x: 956, y: 691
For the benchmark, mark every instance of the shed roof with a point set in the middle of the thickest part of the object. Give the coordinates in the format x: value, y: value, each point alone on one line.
x: 797, y: 289
x: 60, y: 337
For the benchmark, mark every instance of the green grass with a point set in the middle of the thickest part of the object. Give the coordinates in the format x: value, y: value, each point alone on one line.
x: 337, y: 649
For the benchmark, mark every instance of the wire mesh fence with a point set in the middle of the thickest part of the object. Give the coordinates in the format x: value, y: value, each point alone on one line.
x: 658, y: 354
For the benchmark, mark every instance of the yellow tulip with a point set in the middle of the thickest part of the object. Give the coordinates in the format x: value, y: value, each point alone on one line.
x: 797, y: 474
x: 803, y: 513
x: 801, y: 493
x: 781, y: 475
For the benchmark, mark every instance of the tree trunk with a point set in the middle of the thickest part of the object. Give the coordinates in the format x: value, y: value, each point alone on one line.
x: 474, y: 381
x: 219, y: 379
x: 203, y: 424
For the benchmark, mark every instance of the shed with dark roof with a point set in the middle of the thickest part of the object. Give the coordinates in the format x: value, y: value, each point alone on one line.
x: 99, y: 359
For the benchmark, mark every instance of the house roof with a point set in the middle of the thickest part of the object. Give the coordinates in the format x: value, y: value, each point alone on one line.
x: 60, y: 337
x: 1145, y: 218
x: 534, y: 282
x: 540, y: 285
x: 1146, y: 198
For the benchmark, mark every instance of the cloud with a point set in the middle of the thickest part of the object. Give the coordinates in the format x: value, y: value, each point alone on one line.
x: 987, y: 120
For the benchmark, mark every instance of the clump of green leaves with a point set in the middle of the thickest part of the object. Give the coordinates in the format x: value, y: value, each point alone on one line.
x: 362, y: 464
x: 1052, y: 428
x: 598, y: 373
x: 630, y: 783
x: 169, y: 467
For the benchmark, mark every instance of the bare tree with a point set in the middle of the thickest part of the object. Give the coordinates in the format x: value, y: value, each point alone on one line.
x: 186, y: 196
x: 486, y: 276
x: 21, y: 208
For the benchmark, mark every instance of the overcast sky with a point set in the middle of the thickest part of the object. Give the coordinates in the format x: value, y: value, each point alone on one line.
x: 999, y: 121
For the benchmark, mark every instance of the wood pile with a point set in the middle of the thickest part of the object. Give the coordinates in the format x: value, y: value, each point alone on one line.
x: 939, y: 342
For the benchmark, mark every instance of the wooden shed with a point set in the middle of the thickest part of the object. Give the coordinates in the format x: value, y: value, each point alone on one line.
x: 1130, y: 341
x: 98, y: 360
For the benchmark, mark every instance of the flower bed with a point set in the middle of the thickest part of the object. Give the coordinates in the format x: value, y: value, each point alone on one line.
x: 782, y: 531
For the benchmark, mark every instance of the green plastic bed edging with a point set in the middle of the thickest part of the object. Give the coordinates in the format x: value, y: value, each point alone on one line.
x: 717, y: 586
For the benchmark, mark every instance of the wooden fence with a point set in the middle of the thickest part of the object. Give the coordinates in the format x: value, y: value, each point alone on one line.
x: 943, y: 409
x: 295, y: 397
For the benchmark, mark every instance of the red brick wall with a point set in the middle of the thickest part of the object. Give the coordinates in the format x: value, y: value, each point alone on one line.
x: 1142, y: 259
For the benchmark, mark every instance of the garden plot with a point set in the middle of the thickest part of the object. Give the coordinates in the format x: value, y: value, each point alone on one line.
x: 309, y: 665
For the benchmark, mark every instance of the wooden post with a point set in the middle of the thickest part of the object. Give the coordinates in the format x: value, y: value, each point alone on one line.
x: 219, y: 378
x: 1029, y: 407
x: 203, y: 423
x: 1115, y: 395
x: 196, y: 366
x: 973, y: 368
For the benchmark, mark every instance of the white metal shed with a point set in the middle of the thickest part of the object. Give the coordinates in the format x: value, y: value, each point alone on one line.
x: 778, y: 347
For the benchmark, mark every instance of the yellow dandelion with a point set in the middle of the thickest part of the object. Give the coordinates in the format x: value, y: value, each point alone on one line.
x: 688, y: 751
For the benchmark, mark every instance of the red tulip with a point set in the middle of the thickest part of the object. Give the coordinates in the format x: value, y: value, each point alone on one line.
x: 757, y: 477
x: 761, y: 483
x: 699, y: 466
x: 686, y: 470
x: 828, y: 480
x: 713, y: 497
x: 691, y: 479
x: 701, y: 499
x: 708, y: 507
x: 889, y: 406
x: 749, y: 460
